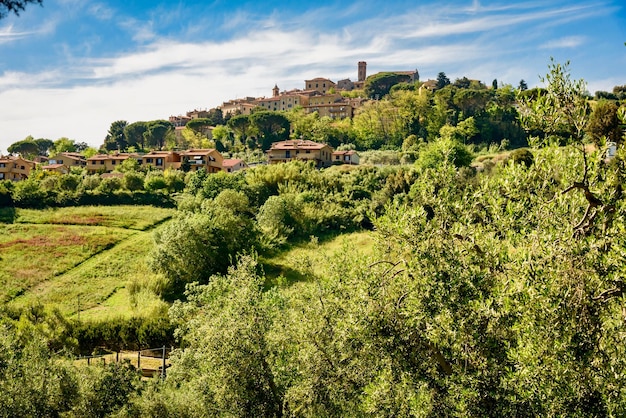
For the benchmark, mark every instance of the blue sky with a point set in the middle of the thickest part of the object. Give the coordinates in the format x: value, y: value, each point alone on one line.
x: 71, y: 67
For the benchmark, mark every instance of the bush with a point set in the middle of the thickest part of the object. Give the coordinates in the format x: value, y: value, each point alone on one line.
x: 133, y: 181
x: 523, y: 156
x: 110, y: 184
x: 155, y: 181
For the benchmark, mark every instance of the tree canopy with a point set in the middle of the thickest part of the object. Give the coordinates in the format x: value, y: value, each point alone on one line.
x: 15, y: 6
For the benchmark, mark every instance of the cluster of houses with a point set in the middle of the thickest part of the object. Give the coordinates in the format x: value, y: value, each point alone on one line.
x: 320, y: 95
x: 17, y: 168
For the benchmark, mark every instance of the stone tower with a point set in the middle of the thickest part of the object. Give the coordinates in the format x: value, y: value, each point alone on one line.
x: 275, y: 91
x: 362, y: 71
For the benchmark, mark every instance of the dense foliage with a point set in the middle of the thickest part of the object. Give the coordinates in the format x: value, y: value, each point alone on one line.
x: 491, y: 292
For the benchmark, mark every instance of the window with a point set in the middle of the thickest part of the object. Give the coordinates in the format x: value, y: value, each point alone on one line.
x: 93, y: 162
x: 101, y: 162
x: 113, y: 162
x: 2, y: 165
x: 159, y: 161
x: 1, y: 175
x: 308, y: 151
x: 149, y: 160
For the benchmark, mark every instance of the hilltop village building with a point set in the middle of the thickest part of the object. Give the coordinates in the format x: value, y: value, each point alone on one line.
x: 320, y: 95
x: 15, y: 168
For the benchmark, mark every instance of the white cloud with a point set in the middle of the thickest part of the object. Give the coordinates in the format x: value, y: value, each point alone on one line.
x: 566, y: 42
x: 167, y: 76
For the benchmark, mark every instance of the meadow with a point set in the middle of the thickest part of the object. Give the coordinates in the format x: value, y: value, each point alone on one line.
x: 90, y: 262
x: 77, y: 259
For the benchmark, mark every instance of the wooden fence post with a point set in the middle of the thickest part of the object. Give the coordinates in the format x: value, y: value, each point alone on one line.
x: 163, y: 370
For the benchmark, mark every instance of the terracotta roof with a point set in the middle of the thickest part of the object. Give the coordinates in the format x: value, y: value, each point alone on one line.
x: 198, y: 151
x: 320, y: 79
x: 99, y: 157
x: 348, y: 152
x: 297, y: 144
x: 51, y: 166
x: 231, y: 162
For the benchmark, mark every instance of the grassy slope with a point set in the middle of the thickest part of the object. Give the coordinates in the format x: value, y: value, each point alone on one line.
x: 96, y: 279
x: 296, y: 263
x: 98, y: 282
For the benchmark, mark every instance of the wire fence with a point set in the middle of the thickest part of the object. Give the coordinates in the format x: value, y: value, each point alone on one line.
x: 149, y: 362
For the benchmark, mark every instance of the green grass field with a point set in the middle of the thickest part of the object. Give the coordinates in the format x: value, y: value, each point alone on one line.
x: 92, y: 261
x: 127, y: 217
x: 80, y: 258
x: 300, y: 261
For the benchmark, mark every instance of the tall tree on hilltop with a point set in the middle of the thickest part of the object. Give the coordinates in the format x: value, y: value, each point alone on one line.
x: 134, y: 134
x: 442, y: 80
x: 116, y: 137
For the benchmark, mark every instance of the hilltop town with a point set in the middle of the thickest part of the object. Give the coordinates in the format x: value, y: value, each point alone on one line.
x: 322, y: 96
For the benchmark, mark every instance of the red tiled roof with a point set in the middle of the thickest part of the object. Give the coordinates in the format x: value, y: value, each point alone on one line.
x: 198, y: 151
x: 297, y: 144
x: 51, y: 166
x: 231, y: 162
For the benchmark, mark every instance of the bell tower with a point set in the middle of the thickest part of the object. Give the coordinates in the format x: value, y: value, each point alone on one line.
x: 362, y: 73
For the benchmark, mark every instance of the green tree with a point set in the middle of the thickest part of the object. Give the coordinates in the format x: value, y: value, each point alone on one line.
x: 442, y: 80
x: 562, y: 110
x: 45, y: 145
x: 133, y: 181
x: 242, y: 126
x: 226, y: 327
x: 157, y: 132
x: 27, y: 148
x: 134, y: 134
x: 522, y: 85
x: 34, y: 381
x: 604, y: 123
x: 378, y: 124
x: 271, y: 127
x: 105, y: 389
x: 116, y: 137
x: 15, y: 6
x: 379, y: 85
x: 196, y: 245
x: 64, y: 145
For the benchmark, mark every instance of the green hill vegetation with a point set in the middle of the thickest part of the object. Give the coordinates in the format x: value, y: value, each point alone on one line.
x: 451, y: 286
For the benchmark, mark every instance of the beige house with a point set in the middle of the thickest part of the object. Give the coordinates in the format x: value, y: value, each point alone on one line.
x: 238, y: 106
x: 346, y: 157
x: 209, y: 159
x: 161, y: 159
x: 68, y: 159
x: 298, y: 149
x: 106, y: 163
x: 323, y: 85
x: 15, y: 168
x: 56, y: 168
x: 233, y: 164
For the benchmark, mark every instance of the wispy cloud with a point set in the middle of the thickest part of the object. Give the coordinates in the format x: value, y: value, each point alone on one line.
x: 242, y: 53
x: 566, y: 42
x: 8, y: 34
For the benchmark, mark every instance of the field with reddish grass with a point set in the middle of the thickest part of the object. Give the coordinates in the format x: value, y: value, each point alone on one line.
x: 58, y: 256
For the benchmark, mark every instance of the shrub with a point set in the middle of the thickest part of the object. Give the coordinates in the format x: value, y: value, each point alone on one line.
x: 133, y: 181
x: 522, y: 156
